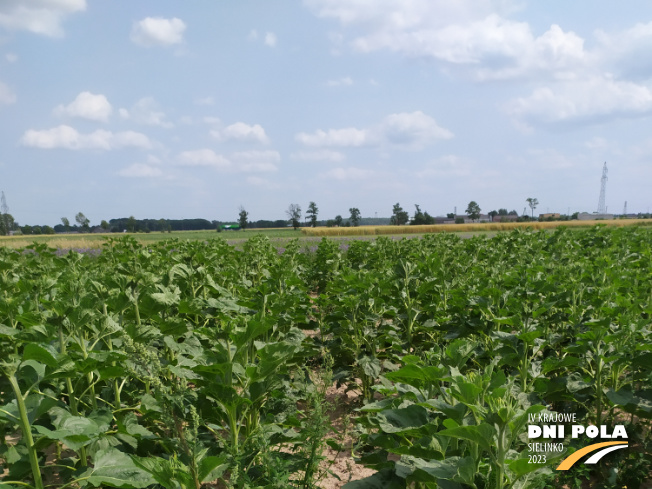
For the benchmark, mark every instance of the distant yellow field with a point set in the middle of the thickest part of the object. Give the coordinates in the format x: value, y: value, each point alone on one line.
x: 443, y: 228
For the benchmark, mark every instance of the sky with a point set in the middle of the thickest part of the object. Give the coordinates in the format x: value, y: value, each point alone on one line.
x: 167, y: 109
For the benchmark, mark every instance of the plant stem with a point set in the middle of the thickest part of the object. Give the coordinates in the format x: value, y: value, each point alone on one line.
x: 27, y: 432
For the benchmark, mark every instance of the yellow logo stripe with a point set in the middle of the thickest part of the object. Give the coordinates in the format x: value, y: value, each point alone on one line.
x: 570, y: 461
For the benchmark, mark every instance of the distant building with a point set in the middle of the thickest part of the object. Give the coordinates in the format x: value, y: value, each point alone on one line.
x: 585, y: 216
x: 507, y: 218
x: 550, y: 215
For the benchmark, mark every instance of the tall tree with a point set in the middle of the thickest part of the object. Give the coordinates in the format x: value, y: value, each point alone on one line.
x: 83, y: 221
x: 104, y: 225
x: 131, y: 224
x: 355, y: 216
x: 311, y: 214
x: 4, y: 216
x: 533, y: 203
x: 66, y: 223
x: 294, y: 214
x: 242, y: 218
x: 338, y: 220
x: 473, y: 210
x: 421, y: 217
x: 7, y: 224
x: 399, y: 216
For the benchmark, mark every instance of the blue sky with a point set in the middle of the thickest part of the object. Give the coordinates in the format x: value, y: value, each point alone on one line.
x: 191, y: 109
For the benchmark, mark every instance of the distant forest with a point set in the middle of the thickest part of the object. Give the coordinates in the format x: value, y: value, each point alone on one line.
x: 147, y: 225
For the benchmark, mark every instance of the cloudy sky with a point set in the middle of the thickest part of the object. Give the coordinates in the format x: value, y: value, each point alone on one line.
x: 172, y: 109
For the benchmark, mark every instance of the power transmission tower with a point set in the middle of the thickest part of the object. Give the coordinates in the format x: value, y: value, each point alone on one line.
x: 603, y: 190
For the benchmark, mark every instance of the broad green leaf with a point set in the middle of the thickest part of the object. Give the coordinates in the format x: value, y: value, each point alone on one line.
x: 403, y: 419
x: 114, y: 468
x: 212, y: 467
x: 482, y: 435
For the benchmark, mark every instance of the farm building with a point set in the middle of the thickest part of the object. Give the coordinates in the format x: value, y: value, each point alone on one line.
x: 585, y: 216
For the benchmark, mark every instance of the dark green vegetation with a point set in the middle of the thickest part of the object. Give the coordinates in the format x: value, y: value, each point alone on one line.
x: 180, y: 364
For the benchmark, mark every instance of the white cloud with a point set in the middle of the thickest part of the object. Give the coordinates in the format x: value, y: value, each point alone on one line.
x: 241, y: 132
x: 69, y: 138
x: 270, y: 39
x: 157, y: 31
x: 474, y: 35
x: 256, y: 161
x: 11, y: 57
x: 340, y: 82
x: 203, y: 157
x: 348, y: 137
x: 404, y: 130
x: 319, y: 155
x: 140, y: 170
x: 146, y: 111
x: 350, y: 173
x: 582, y: 101
x: 87, y: 106
x: 38, y: 16
x: 412, y: 130
x: 6, y: 95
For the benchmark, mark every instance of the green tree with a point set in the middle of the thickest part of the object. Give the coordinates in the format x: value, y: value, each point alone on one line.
x: 7, y: 224
x: 533, y: 203
x: 502, y: 212
x: 66, y: 223
x: 164, y: 225
x: 131, y: 224
x: 338, y: 220
x: 311, y: 214
x: 399, y: 216
x: 104, y: 225
x: 450, y: 215
x: 47, y: 230
x: 421, y: 218
x: 83, y: 221
x: 355, y: 216
x: 242, y: 218
x: 294, y: 214
x: 473, y: 210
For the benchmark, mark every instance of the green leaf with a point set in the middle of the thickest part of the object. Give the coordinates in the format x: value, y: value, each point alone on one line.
x: 167, y: 296
x: 482, y: 435
x: 370, y: 366
x: 115, y: 469
x: 168, y: 473
x: 403, y: 419
x: 211, y: 468
x: 432, y: 469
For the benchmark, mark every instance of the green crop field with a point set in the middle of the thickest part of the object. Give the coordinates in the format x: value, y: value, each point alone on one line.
x: 96, y: 240
x: 191, y: 363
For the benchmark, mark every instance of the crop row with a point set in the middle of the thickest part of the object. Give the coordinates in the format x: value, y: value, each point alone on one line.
x: 187, y: 364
